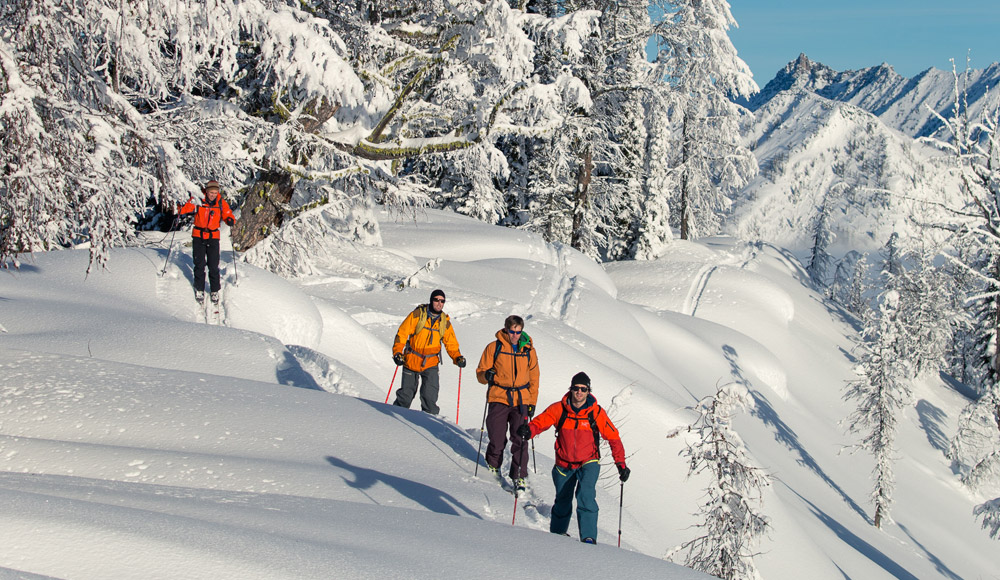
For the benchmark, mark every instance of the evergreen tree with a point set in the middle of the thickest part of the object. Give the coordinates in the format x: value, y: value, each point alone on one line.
x: 731, y: 519
x: 702, y: 66
x: 880, y: 393
x: 973, y: 145
x: 820, y: 261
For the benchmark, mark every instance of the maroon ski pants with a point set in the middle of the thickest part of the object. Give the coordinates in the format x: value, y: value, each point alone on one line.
x: 500, y: 418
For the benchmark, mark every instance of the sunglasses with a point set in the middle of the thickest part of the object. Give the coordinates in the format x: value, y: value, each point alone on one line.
x: 514, y: 331
x: 441, y: 300
x: 580, y: 389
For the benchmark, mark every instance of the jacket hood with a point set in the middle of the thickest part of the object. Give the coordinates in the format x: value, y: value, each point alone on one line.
x: 568, y: 402
x: 524, y: 341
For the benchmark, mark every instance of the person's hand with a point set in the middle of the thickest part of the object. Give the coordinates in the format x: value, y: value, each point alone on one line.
x: 398, y: 359
x: 490, y: 375
x: 524, y: 432
x: 531, y: 410
x: 460, y: 362
x: 623, y: 472
x: 230, y: 221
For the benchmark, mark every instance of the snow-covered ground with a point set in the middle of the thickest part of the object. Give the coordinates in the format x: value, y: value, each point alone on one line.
x: 137, y: 441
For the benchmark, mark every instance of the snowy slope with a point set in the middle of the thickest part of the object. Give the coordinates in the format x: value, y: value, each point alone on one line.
x: 137, y: 441
x: 819, y: 155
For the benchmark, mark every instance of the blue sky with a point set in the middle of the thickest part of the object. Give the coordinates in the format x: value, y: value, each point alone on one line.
x: 853, y: 34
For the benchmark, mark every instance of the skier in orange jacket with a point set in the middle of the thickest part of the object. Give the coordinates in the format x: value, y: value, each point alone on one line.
x: 209, y: 212
x: 417, y: 348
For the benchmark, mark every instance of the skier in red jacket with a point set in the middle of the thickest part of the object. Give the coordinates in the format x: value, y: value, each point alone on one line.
x: 209, y: 212
x: 580, y: 423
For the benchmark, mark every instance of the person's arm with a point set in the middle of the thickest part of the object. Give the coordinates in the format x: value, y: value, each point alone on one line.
x: 610, y: 433
x: 227, y: 213
x: 451, y: 343
x: 406, y: 328
x: 188, y: 207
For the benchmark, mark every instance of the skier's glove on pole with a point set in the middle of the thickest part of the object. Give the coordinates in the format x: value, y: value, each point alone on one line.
x: 490, y: 375
x: 460, y: 362
x: 398, y: 359
x: 623, y: 472
x: 524, y: 432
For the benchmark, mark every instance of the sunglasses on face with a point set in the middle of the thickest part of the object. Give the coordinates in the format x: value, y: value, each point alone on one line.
x: 441, y: 300
x: 514, y: 331
x: 580, y: 389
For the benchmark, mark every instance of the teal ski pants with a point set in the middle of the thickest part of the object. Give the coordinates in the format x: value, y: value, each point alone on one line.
x: 581, y: 483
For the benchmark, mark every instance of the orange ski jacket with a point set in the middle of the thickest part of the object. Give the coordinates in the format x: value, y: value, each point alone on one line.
x: 516, y: 366
x: 420, y: 338
x: 207, y: 216
x: 577, y: 439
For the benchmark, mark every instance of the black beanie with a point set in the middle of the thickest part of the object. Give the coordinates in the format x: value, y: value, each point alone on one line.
x: 580, y: 378
x: 437, y: 293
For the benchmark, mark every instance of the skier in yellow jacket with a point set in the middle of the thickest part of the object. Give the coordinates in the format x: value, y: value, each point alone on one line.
x: 417, y: 349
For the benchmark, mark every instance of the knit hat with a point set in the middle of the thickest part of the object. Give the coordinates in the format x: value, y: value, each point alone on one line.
x: 580, y: 378
x: 213, y: 184
x: 437, y: 293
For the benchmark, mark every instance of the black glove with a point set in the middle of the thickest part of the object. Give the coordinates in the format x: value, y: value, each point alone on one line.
x: 230, y: 221
x: 531, y: 410
x: 490, y: 375
x: 460, y: 362
x: 623, y: 472
x: 524, y: 432
x: 398, y: 359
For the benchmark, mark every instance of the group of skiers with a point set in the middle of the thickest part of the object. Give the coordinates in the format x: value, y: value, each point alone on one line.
x: 509, y: 369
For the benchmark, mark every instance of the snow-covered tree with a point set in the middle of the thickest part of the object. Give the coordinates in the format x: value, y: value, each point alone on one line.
x: 820, y: 260
x: 973, y: 147
x: 881, y: 393
x: 702, y: 66
x: 850, y: 284
x: 730, y: 516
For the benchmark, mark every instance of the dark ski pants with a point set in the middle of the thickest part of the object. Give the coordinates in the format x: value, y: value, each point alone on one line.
x: 499, y: 419
x: 429, y: 387
x: 203, y: 250
x: 582, y: 483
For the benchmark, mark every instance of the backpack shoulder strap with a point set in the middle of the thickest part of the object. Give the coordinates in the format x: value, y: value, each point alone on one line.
x: 597, y: 432
x: 562, y: 419
x: 496, y: 352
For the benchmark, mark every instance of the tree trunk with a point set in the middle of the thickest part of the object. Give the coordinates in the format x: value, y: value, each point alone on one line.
x: 262, y: 210
x: 685, y: 194
x: 583, y: 176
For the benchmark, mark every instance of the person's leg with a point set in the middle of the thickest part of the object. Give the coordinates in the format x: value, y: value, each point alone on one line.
x: 430, y: 384
x: 496, y: 428
x: 407, y: 388
x: 198, y: 254
x: 212, y: 251
x: 586, y: 499
x: 562, y: 509
x: 518, y: 446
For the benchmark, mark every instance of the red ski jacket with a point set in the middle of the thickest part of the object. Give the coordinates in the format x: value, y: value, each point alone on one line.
x: 577, y: 438
x: 207, y: 216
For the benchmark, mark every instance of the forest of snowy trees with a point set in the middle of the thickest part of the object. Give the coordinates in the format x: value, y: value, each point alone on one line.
x: 545, y: 115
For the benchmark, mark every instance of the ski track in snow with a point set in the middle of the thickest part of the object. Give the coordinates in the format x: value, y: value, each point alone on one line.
x: 556, y: 291
x: 700, y: 283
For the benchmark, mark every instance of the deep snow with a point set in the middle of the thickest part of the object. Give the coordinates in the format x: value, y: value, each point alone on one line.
x: 138, y: 441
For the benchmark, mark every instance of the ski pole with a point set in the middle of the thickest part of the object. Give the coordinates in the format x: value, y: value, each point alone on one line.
x: 173, y: 229
x: 621, y: 500
x: 515, y: 509
x: 534, y: 459
x: 390, y: 385
x: 481, y: 429
x: 458, y: 404
x: 236, y: 274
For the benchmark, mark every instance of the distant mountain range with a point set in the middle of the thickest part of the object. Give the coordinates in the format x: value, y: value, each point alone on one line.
x: 843, y: 145
x: 901, y: 103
